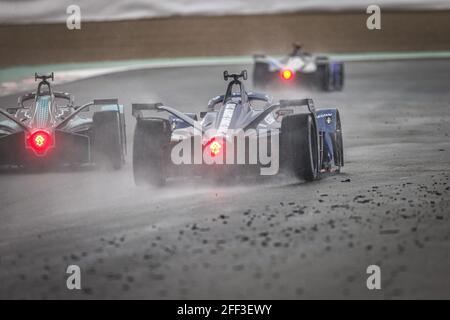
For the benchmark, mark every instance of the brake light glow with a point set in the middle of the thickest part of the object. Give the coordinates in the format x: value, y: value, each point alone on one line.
x: 215, y: 148
x: 40, y: 141
x: 286, y: 74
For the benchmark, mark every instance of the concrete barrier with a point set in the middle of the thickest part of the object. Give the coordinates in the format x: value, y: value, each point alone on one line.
x: 224, y: 35
x: 51, y: 11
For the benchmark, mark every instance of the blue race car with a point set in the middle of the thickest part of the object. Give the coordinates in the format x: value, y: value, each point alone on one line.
x: 299, y: 67
x: 240, y: 133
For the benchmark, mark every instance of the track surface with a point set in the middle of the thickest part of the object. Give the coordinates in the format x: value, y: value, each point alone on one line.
x: 276, y: 239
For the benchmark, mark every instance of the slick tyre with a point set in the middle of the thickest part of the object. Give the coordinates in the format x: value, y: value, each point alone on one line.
x: 107, y: 140
x: 150, y: 151
x: 326, y: 77
x: 338, y: 145
x: 299, y: 141
x: 261, y: 75
x: 338, y: 76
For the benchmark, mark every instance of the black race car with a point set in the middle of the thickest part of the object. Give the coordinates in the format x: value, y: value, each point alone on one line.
x: 46, y: 128
x: 299, y: 67
x: 241, y: 132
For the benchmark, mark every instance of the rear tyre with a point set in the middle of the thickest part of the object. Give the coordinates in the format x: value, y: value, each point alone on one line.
x: 338, y: 76
x: 150, y: 147
x: 299, y: 141
x: 260, y: 75
x: 107, y: 140
x: 326, y: 77
x: 338, y: 146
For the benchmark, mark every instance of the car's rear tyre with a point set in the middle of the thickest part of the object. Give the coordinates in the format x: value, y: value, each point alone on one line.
x: 325, y: 77
x: 150, y: 149
x: 338, y: 76
x: 338, y: 145
x: 299, y: 142
x: 260, y: 75
x: 107, y: 150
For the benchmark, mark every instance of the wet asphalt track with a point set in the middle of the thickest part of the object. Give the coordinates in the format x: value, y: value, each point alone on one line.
x: 276, y: 239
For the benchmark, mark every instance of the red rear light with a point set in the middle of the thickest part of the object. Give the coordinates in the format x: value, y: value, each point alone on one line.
x: 40, y: 141
x: 286, y: 74
x: 215, y: 147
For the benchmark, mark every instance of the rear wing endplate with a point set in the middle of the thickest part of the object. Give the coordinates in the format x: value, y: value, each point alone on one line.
x: 137, y: 108
x: 102, y: 102
x: 299, y: 103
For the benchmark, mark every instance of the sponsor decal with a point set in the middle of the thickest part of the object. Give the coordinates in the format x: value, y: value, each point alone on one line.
x: 230, y: 147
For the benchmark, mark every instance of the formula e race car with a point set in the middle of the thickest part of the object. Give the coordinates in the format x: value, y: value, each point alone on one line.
x: 241, y: 132
x: 299, y: 67
x: 46, y: 128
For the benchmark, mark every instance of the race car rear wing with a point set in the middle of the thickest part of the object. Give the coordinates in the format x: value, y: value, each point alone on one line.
x: 137, y: 108
x: 100, y: 102
x: 299, y: 103
x: 85, y: 107
x: 281, y: 105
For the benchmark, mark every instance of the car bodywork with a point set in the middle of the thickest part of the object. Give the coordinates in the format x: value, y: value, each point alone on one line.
x: 47, y: 128
x: 236, y: 112
x: 299, y: 67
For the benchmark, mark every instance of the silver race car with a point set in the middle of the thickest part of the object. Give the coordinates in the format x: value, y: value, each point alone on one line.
x: 46, y: 128
x: 299, y: 67
x: 240, y: 133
